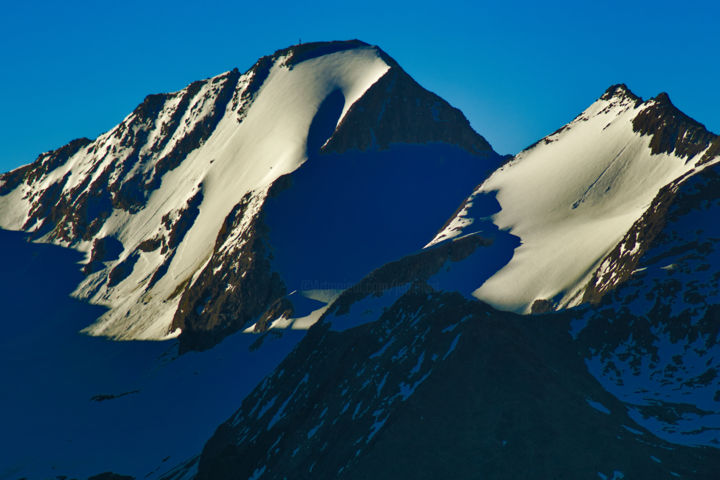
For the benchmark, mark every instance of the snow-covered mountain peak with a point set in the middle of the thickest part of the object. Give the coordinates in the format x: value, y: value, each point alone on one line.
x: 179, y: 190
x: 619, y: 91
x: 573, y: 195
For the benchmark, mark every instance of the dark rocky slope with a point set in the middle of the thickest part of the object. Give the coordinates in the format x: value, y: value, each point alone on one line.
x: 440, y: 387
x: 654, y: 340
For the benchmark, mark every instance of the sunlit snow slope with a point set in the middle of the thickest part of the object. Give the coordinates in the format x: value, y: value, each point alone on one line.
x: 572, y: 196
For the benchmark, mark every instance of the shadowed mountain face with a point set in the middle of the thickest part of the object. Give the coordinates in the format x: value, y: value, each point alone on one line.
x: 30, y: 296
x: 395, y: 199
x: 78, y: 405
x: 398, y: 110
x: 399, y: 196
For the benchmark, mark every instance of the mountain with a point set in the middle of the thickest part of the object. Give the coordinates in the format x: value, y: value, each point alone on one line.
x: 286, y: 237
x: 572, y: 197
x: 204, y: 208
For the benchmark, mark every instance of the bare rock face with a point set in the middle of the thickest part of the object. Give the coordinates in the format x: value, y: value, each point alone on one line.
x: 236, y: 286
x: 620, y: 264
x: 42, y: 165
x: 620, y: 90
x: 672, y: 130
x: 712, y: 152
x: 104, y: 249
x: 623, y: 261
x: 398, y: 110
x: 541, y: 306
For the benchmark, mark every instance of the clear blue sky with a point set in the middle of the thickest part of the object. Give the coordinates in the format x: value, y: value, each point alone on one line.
x: 518, y: 70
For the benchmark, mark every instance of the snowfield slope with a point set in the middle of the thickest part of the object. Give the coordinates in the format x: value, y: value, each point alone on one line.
x: 573, y: 196
x: 170, y: 205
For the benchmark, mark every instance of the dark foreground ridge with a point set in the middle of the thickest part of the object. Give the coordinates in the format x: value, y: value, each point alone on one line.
x: 490, y: 394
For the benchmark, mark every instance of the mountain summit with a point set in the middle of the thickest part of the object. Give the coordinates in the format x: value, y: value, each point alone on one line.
x: 182, y: 207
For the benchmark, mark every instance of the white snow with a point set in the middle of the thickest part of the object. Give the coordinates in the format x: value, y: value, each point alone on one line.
x: 306, y: 321
x: 461, y: 221
x: 13, y: 209
x: 375, y: 428
x: 311, y: 433
x: 257, y: 473
x: 407, y: 389
x: 598, y: 406
x: 452, y: 346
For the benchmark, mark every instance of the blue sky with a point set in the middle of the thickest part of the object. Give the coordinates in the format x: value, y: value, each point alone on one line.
x: 518, y: 70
